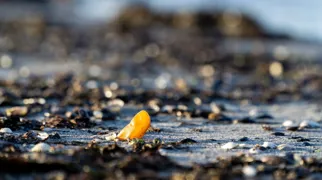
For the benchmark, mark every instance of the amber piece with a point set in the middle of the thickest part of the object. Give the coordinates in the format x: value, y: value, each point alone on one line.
x: 137, y: 127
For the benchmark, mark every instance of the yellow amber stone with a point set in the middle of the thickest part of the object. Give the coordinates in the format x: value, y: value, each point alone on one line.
x: 137, y: 127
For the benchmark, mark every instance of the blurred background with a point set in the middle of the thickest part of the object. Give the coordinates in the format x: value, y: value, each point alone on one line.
x: 164, y: 43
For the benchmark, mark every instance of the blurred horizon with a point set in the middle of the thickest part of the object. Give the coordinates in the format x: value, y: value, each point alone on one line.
x: 298, y: 19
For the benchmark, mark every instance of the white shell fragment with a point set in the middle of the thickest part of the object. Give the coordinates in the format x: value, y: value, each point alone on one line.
x: 229, y: 145
x: 270, y: 145
x: 249, y: 171
x: 309, y: 124
x: 5, y: 130
x: 41, y: 147
x: 289, y: 123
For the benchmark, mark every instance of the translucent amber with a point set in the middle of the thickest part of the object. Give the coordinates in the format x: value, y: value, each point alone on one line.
x: 137, y: 127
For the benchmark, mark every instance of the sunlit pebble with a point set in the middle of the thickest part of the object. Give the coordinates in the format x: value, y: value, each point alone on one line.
x: 42, y: 135
x: 116, y: 102
x: 41, y: 101
x: 182, y: 107
x: 154, y: 107
x: 206, y: 71
x: 5, y: 61
x: 91, y: 84
x: 181, y: 83
x: 281, y: 53
x: 24, y: 71
x: 114, y: 86
x: 289, y: 123
x: 269, y: 145
x: 108, y: 93
x: 98, y: 114
x: 285, y: 147
x: 161, y: 82
x: 276, y: 69
x: 249, y: 171
x: 47, y: 114
x: 215, y: 108
x: 253, y: 112
x: 41, y: 147
x: 110, y: 137
x: 309, y: 124
x: 29, y: 101
x: 5, y: 130
x: 167, y: 108
x: 197, y: 101
x: 94, y: 70
x: 255, y: 150
x: 229, y: 145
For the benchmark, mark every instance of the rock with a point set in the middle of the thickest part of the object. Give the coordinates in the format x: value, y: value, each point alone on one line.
x: 42, y: 135
x: 41, y: 147
x: 289, y: 124
x: 278, y: 134
x: 5, y: 130
x: 285, y: 147
x: 270, y: 145
x: 188, y: 141
x: 110, y: 137
x: 229, y: 145
x: 249, y: 171
x: 17, y: 111
x: 309, y: 124
x: 256, y: 149
x: 244, y: 139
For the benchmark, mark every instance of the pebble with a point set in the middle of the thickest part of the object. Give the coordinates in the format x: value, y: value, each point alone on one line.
x: 289, y: 123
x: 309, y: 124
x: 270, y: 145
x: 256, y: 149
x: 249, y: 171
x: 110, y: 137
x: 43, y: 135
x: 244, y: 139
x: 229, y: 145
x: 5, y: 130
x: 285, y: 147
x: 116, y: 102
x: 278, y: 134
x: 41, y: 147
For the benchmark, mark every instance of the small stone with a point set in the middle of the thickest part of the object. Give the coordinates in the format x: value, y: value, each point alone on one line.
x: 244, y: 139
x: 17, y: 111
x: 285, y: 147
x: 270, y: 145
x: 116, y: 102
x: 289, y: 123
x: 229, y: 145
x: 42, y: 135
x: 110, y: 137
x: 41, y: 147
x: 54, y: 136
x: 5, y: 130
x: 309, y: 124
x: 256, y: 149
x: 278, y: 134
x: 188, y: 141
x: 306, y: 144
x: 249, y: 171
